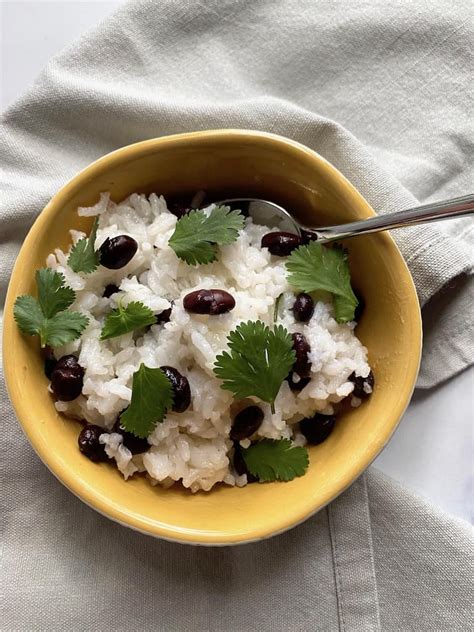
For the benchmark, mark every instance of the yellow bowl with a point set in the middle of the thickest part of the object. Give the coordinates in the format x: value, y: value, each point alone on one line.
x: 226, y: 162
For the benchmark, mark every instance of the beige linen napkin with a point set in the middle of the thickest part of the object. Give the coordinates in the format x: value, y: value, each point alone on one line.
x: 161, y: 68
x: 394, y: 76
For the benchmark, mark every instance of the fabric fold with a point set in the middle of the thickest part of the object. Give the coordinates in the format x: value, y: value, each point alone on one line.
x: 354, y: 568
x: 130, y: 80
x: 381, y: 91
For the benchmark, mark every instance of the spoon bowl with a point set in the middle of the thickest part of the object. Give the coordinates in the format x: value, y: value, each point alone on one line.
x: 265, y: 213
x: 275, y: 216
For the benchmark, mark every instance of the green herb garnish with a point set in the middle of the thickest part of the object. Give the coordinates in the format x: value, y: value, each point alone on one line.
x: 197, y: 234
x: 125, y: 319
x: 258, y: 362
x: 276, y: 308
x: 316, y: 267
x: 53, y: 295
x: 46, y: 316
x: 152, y: 396
x: 83, y: 257
x: 271, y: 460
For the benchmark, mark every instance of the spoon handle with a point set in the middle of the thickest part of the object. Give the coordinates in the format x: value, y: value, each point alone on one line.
x: 447, y: 209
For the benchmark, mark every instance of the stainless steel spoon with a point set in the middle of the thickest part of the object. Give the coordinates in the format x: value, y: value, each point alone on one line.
x: 273, y: 215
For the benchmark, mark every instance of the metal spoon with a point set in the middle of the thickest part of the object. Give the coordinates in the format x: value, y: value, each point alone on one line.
x: 274, y: 215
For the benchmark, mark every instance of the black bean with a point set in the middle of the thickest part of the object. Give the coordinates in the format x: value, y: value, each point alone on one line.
x: 240, y: 466
x: 317, y: 429
x: 116, y: 252
x: 359, y: 310
x: 308, y: 235
x: 67, y: 378
x: 181, y: 388
x: 301, y: 347
x: 303, y: 307
x: 136, y: 445
x: 164, y: 316
x: 281, y: 244
x: 297, y: 385
x: 211, y: 302
x: 246, y: 422
x: 179, y: 208
x: 89, y: 444
x: 69, y: 362
x: 363, y: 386
x: 49, y: 361
x: 109, y: 290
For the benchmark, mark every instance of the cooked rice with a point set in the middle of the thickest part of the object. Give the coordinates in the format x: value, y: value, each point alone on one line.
x: 193, y: 447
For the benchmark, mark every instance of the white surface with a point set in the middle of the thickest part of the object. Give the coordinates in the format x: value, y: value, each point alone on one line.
x: 32, y: 32
x: 431, y: 452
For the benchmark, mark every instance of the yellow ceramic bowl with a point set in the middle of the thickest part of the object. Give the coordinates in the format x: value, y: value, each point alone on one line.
x: 235, y: 163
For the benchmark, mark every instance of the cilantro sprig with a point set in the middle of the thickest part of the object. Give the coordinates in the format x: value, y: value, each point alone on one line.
x: 125, y: 319
x: 197, y: 234
x: 258, y: 361
x: 47, y: 316
x: 152, y: 397
x: 316, y: 267
x: 271, y: 460
x: 83, y: 256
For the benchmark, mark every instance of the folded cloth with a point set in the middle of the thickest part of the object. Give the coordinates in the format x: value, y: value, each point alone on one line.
x: 395, y: 76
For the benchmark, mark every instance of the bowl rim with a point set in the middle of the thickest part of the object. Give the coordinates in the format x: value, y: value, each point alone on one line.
x: 86, y: 493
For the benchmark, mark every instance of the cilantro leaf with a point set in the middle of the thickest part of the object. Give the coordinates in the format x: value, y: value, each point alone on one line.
x: 28, y: 315
x: 124, y: 319
x: 83, y: 257
x: 64, y: 327
x: 53, y: 295
x: 152, y: 396
x: 271, y: 460
x: 316, y: 267
x: 258, y: 362
x: 197, y: 235
x: 344, y: 309
x: 47, y: 317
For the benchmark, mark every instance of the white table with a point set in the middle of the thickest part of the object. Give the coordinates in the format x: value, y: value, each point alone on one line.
x: 431, y: 452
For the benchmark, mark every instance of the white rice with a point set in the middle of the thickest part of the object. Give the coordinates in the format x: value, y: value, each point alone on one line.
x: 193, y: 447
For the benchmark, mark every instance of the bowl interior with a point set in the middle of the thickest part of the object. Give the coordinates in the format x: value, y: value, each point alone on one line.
x: 225, y: 163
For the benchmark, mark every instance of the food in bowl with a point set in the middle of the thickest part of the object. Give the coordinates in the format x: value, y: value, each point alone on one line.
x: 195, y: 345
